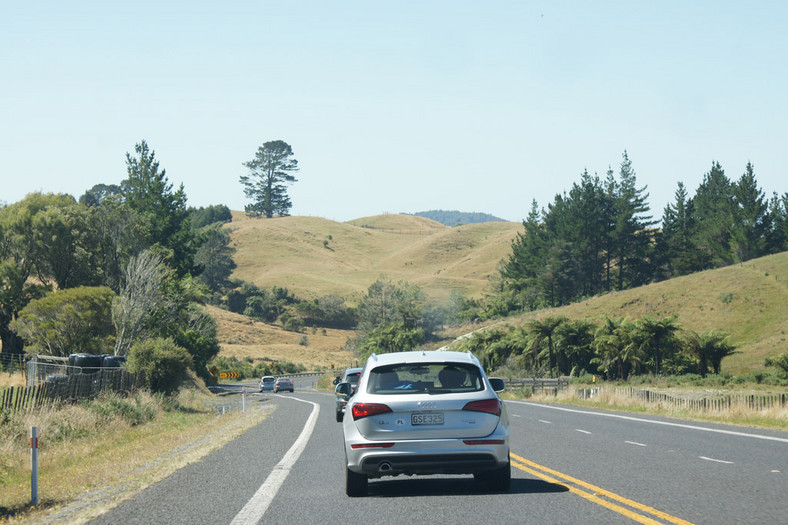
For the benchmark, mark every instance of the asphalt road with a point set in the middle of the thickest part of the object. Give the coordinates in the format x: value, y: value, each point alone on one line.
x: 571, y: 465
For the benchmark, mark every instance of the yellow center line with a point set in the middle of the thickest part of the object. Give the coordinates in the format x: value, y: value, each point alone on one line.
x: 541, y: 472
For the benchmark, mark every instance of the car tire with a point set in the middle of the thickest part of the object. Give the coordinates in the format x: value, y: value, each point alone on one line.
x: 500, y: 479
x: 355, y: 484
x: 340, y: 416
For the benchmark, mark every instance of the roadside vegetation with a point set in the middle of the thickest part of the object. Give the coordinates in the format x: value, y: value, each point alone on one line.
x: 93, y: 454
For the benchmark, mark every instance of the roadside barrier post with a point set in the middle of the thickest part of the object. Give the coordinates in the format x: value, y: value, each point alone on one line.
x: 34, y: 465
x: 243, y: 399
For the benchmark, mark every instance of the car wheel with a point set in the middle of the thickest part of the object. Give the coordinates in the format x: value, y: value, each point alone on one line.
x: 355, y: 484
x: 500, y: 479
x: 340, y: 415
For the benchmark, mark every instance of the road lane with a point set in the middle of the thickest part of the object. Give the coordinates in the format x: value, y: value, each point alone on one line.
x: 659, y: 461
x: 561, y: 475
x: 214, y: 489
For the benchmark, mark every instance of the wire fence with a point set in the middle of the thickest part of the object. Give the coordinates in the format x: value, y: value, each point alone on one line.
x: 50, y: 383
x: 11, y: 362
x: 716, y: 403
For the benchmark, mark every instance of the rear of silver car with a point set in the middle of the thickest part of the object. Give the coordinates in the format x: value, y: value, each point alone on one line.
x: 419, y: 413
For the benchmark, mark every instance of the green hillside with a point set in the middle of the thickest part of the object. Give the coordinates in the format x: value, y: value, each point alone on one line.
x: 749, y: 301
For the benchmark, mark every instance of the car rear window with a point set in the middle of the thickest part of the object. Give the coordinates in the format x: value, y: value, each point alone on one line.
x: 268, y: 380
x: 435, y: 378
x: 353, y: 378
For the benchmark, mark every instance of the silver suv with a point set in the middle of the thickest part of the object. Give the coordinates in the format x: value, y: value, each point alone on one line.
x: 418, y: 413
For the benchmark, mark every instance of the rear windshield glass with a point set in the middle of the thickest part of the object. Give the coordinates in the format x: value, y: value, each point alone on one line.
x: 353, y: 378
x: 435, y: 378
x: 268, y: 380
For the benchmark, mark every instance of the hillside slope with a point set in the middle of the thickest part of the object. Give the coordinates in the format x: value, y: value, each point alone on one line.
x: 313, y: 257
x: 749, y: 301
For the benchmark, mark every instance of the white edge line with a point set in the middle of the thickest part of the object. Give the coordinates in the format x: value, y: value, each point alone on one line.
x: 582, y: 431
x: 666, y: 423
x: 635, y: 443
x: 716, y: 460
x: 254, y: 509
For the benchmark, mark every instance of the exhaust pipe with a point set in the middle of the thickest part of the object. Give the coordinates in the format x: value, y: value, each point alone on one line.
x: 385, y: 466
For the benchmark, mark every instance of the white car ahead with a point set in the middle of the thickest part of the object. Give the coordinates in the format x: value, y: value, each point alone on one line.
x: 418, y: 413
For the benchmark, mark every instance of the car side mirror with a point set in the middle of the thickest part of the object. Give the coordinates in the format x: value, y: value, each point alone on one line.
x: 342, y: 389
x: 497, y: 384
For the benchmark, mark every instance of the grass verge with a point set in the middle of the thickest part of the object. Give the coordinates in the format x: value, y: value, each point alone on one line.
x: 94, y: 455
x: 771, y: 418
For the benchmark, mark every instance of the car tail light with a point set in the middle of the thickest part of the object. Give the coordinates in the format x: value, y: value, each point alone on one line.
x: 490, y: 406
x: 362, y: 410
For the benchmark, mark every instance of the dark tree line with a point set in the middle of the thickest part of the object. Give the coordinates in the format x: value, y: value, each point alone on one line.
x: 600, y: 237
x: 65, y: 257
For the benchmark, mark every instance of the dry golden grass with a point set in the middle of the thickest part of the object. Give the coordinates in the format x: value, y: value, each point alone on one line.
x: 241, y: 337
x: 9, y: 379
x: 609, y: 399
x: 88, y: 464
x: 313, y: 257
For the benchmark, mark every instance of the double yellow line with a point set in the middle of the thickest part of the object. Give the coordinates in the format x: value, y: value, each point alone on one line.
x: 598, y: 495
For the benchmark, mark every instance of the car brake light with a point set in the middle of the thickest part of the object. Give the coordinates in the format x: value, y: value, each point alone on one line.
x: 362, y: 410
x: 490, y: 406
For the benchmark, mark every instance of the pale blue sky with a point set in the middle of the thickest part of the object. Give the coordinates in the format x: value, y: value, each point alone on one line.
x: 394, y: 106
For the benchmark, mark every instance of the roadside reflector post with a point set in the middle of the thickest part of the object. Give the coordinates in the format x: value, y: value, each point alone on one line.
x: 34, y: 466
x: 243, y: 399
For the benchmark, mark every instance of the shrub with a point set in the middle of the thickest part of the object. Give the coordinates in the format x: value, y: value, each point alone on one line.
x: 162, y: 364
x: 293, y: 324
x: 134, y: 411
x: 68, y: 321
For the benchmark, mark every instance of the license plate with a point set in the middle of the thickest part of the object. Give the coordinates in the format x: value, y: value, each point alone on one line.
x: 426, y: 418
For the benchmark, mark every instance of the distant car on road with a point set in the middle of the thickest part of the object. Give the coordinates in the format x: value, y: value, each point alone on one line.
x: 267, y: 383
x: 350, y: 379
x: 421, y: 413
x: 283, y: 383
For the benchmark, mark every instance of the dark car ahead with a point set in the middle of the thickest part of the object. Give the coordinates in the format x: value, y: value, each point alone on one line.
x: 283, y: 383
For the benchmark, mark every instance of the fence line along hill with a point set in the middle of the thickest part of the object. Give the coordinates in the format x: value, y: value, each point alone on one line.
x: 312, y: 256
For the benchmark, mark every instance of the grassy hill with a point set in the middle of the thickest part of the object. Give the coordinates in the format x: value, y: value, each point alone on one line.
x: 313, y: 257
x: 749, y: 301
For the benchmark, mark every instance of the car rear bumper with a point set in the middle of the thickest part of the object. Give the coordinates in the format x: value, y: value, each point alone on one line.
x: 441, y: 456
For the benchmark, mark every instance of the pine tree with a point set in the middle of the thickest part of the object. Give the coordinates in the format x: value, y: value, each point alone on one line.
x: 677, y: 233
x: 269, y: 171
x: 631, y: 238
x: 163, y: 211
x: 751, y: 218
x: 714, y: 216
